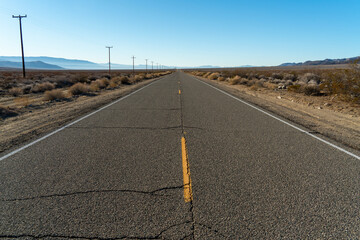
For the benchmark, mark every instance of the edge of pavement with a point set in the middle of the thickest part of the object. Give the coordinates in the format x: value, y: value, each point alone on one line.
x: 288, y: 114
x: 27, y: 139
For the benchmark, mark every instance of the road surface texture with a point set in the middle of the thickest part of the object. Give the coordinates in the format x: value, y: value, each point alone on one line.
x: 121, y: 173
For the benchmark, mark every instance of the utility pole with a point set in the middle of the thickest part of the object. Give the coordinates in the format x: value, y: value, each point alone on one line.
x: 22, y: 46
x: 157, y: 66
x: 152, y: 66
x: 146, y: 64
x: 109, y: 58
x: 133, y: 65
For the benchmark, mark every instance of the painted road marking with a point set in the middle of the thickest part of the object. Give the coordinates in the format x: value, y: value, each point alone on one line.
x: 179, y: 91
x: 188, y: 196
x: 287, y: 123
x: 72, y: 123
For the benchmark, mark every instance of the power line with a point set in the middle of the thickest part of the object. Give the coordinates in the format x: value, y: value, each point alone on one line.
x: 22, y: 46
x: 109, y: 57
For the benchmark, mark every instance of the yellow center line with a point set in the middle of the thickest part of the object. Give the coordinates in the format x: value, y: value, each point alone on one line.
x: 179, y: 91
x: 188, y: 196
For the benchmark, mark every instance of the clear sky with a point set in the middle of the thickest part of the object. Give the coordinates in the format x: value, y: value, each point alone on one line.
x: 184, y: 32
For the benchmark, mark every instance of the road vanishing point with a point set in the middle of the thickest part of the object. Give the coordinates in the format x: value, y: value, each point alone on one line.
x: 180, y: 159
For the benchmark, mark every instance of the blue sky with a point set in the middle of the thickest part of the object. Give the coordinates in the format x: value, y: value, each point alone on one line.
x: 184, y: 32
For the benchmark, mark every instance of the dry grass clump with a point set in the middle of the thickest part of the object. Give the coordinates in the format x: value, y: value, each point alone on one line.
x: 102, y: 82
x: 79, y: 88
x: 235, y: 80
x: 221, y: 79
x: 138, y: 78
x: 22, y: 101
x: 42, y: 87
x: 16, y: 91
x: 113, y: 83
x: 125, y: 80
x: 94, y: 86
x: 206, y: 74
x: 6, y: 112
x: 56, y: 94
x: 213, y: 76
x: 148, y: 76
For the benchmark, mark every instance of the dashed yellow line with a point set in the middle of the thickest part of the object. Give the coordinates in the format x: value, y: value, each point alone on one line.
x: 179, y: 91
x: 188, y: 196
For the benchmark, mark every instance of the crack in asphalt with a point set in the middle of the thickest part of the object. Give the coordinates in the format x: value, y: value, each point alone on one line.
x: 153, y: 193
x: 157, y: 236
x: 191, y: 209
x: 142, y: 128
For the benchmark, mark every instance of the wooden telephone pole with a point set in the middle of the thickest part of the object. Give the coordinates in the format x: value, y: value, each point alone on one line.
x: 22, y: 46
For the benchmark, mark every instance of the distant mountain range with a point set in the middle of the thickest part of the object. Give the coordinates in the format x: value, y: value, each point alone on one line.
x: 51, y: 63
x: 30, y: 65
x: 323, y: 62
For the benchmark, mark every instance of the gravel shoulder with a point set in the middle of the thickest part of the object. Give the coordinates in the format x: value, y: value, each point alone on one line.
x: 326, y: 116
x: 38, y: 120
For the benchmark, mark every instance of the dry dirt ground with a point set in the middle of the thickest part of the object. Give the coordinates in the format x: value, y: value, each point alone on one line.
x: 325, y: 115
x: 41, y: 117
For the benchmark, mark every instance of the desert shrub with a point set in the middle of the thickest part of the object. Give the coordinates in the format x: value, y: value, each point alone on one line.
x: 102, y: 82
x: 22, y: 101
x: 277, y: 75
x: 289, y: 76
x: 125, y: 80
x: 213, y: 76
x: 94, y: 86
x: 311, y: 89
x: 6, y: 112
x: 16, y: 91
x: 235, y: 80
x: 206, y: 74
x: 26, y: 89
x: 78, y: 89
x: 309, y: 76
x: 42, y: 87
x: 295, y: 88
x: 138, y: 78
x: 221, y: 79
x: 55, y: 94
x: 113, y: 83
x: 269, y: 85
x: 148, y: 76
x: 63, y: 81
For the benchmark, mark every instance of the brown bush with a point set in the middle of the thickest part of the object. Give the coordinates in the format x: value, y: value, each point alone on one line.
x: 15, y: 91
x: 213, y: 76
x: 102, y: 82
x: 55, y: 94
x: 125, y: 80
x: 78, y: 89
x: 94, y: 86
x: 221, y: 79
x: 313, y: 90
x: 42, y: 87
x: 22, y: 101
x: 235, y: 80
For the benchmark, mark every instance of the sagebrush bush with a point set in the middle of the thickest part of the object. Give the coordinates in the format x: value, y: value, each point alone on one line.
x: 235, y: 80
x: 16, y: 91
x: 55, y: 94
x: 42, y: 87
x: 221, y: 79
x: 94, y: 86
x: 79, y: 88
x: 213, y: 76
x: 102, y: 82
x: 308, y: 77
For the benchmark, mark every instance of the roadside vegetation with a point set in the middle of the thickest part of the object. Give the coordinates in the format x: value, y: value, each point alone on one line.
x: 44, y: 87
x: 341, y: 83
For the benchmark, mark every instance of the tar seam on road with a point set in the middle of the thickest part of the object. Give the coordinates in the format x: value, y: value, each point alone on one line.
x: 287, y: 123
x: 72, y: 123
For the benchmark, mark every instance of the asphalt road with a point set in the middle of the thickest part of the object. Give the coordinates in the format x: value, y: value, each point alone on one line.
x: 119, y: 173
